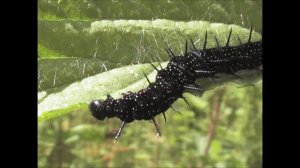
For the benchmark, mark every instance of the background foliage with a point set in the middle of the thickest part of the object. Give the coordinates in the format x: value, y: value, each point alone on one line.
x: 222, y: 129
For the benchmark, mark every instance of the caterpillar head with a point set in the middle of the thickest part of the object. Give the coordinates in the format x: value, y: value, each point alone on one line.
x: 101, y: 109
x: 97, y: 109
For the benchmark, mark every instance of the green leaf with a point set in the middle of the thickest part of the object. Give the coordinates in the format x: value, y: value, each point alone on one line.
x: 240, y: 12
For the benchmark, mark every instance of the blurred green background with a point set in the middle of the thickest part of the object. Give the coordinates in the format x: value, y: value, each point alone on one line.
x: 222, y: 129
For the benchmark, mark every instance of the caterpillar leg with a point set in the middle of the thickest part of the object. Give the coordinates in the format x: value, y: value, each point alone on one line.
x: 156, y: 127
x: 165, y: 117
x: 119, y: 131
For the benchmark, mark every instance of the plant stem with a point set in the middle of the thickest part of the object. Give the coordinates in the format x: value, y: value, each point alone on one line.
x: 214, y: 117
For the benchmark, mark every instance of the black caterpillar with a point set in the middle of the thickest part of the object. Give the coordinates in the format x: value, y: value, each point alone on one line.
x: 180, y: 74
